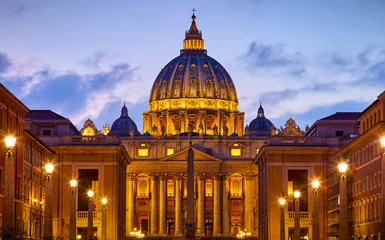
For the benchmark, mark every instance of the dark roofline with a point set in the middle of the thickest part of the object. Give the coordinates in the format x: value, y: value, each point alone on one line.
x: 28, y: 132
x: 50, y: 111
x: 330, y: 117
x: 22, y: 105
x: 370, y: 106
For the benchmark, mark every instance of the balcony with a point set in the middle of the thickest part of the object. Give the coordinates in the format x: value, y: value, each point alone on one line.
x: 84, y: 215
x: 303, y: 215
x: 80, y: 140
x: 302, y: 140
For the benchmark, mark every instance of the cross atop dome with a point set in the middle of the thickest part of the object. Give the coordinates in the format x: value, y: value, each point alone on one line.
x: 193, y: 39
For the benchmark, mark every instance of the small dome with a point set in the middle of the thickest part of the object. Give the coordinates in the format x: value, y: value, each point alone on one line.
x: 124, y: 126
x: 260, y: 126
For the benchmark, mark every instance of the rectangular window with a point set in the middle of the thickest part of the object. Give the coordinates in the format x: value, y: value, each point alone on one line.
x: 46, y: 132
x: 143, y: 152
x: 170, y: 151
x: 236, y: 152
x: 339, y: 133
x: 290, y: 188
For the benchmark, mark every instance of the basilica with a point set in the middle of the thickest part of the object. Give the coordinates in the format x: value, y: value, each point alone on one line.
x: 240, y: 169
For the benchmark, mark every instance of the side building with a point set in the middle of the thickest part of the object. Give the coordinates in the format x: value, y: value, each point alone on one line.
x: 365, y: 178
x: 97, y: 161
x: 289, y: 161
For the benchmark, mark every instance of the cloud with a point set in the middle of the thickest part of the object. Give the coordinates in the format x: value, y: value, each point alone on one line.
x: 94, y: 60
x: 327, y: 79
x: 5, y: 63
x: 273, y: 58
x: 20, y: 10
x: 75, y: 95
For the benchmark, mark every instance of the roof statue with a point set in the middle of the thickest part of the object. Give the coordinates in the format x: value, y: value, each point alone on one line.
x: 291, y: 129
x: 89, y: 128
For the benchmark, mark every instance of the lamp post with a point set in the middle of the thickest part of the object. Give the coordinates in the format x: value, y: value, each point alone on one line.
x: 297, y: 229
x: 90, y: 216
x: 104, y: 222
x: 73, y: 184
x: 382, y: 229
x: 316, y: 232
x: 282, y: 202
x: 343, y: 215
x: 9, y: 185
x: 48, y: 203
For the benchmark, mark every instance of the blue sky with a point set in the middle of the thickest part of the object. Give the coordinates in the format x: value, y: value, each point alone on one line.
x: 302, y: 59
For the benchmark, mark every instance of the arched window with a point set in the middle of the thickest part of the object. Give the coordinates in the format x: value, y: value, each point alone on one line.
x: 209, y: 188
x: 143, y: 188
x: 170, y: 188
x: 236, y: 187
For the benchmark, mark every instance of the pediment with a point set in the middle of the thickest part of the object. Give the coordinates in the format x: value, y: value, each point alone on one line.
x: 181, y: 156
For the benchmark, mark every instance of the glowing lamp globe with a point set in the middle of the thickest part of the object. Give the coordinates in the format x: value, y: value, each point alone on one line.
x: 104, y: 201
x: 315, y: 184
x: 10, y: 142
x: 282, y: 201
x: 49, y: 168
x: 342, y: 167
x: 90, y: 193
x: 297, y: 194
x: 73, y: 183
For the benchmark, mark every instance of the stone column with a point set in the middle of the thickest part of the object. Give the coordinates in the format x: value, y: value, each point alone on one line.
x: 154, y: 199
x: 216, y: 210
x: 225, y: 207
x: 247, y: 202
x: 178, y: 207
x: 236, y: 124
x: 130, y: 206
x: 201, y: 205
x: 162, y: 205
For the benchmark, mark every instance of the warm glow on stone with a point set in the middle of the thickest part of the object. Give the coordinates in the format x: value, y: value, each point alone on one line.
x: 142, y: 152
x: 236, y: 152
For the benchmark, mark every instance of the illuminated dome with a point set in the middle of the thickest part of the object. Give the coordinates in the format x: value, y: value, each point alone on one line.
x: 193, y: 81
x: 260, y: 126
x: 124, y: 126
x: 193, y: 74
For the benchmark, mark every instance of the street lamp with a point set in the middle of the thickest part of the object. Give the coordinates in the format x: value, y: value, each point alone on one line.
x: 104, y: 222
x: 282, y: 202
x: 9, y: 185
x: 10, y: 142
x: 90, y: 216
x: 316, y: 232
x: 297, y: 229
x: 73, y: 184
x: 343, y: 214
x: 48, y: 203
